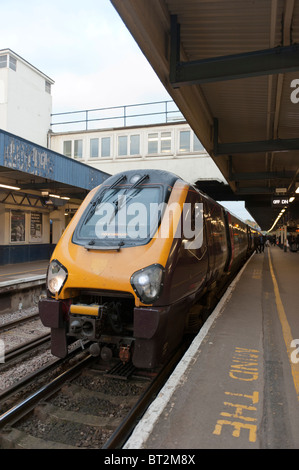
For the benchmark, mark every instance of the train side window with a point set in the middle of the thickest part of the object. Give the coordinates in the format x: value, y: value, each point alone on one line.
x: 193, y: 230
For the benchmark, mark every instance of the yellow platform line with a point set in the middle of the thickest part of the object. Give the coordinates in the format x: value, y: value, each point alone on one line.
x: 286, y: 330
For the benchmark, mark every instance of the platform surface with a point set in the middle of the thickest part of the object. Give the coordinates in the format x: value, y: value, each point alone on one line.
x: 22, y: 272
x: 238, y: 384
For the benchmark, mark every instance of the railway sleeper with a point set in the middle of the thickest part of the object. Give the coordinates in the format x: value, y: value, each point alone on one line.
x: 12, y: 438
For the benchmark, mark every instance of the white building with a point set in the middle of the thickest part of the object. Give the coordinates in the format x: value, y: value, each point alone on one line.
x: 172, y: 146
x: 26, y: 107
x: 25, y: 98
x: 30, y: 227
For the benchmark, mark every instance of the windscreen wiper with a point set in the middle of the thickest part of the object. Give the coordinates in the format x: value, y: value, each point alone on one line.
x: 99, y: 199
x: 119, y: 205
x: 93, y: 246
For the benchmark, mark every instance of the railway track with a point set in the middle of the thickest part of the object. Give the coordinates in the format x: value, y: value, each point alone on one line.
x: 28, y: 347
x: 21, y: 336
x: 84, y: 407
x: 19, y: 321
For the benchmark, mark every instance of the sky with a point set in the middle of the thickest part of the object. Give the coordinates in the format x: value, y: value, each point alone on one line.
x: 87, y: 50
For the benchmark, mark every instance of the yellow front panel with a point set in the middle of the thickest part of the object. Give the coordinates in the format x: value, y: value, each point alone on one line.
x: 111, y: 270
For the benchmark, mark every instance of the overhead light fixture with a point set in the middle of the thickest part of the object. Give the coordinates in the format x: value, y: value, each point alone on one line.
x: 6, y: 186
x: 297, y: 190
x: 292, y: 199
x: 280, y: 190
x: 59, y: 197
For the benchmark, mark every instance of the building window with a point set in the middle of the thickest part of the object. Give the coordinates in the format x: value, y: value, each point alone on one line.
x: 165, y: 142
x: 153, y: 141
x: 197, y: 144
x: 12, y: 63
x: 122, y: 145
x: 134, y: 144
x: 48, y: 87
x: 8, y: 61
x: 189, y: 142
x: 128, y: 145
x: 94, y: 148
x: 78, y: 148
x: 3, y: 61
x: 67, y: 148
x: 184, y: 141
x: 159, y: 143
x: 105, y: 147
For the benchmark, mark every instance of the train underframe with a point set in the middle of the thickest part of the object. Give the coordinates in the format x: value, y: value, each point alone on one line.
x: 143, y: 335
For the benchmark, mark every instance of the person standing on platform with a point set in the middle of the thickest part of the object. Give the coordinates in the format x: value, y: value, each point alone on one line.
x: 256, y: 243
x: 261, y: 244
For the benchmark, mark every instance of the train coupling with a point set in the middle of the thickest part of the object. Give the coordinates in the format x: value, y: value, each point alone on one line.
x: 86, y: 321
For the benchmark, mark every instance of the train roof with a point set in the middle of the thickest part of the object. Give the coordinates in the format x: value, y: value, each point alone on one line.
x: 154, y: 176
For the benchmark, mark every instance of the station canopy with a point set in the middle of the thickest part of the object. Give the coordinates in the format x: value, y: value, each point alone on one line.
x: 35, y: 176
x: 232, y: 67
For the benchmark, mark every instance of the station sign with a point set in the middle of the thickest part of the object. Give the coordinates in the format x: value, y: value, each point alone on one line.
x: 280, y: 201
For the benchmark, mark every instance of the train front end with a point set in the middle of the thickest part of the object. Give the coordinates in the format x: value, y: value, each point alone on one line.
x: 107, y: 272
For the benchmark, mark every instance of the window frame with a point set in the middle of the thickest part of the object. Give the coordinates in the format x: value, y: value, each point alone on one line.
x: 92, y: 141
x: 48, y: 88
x: 78, y: 149
x: 193, y: 143
x: 129, y: 144
x: 71, y: 148
x: 102, y: 147
x: 159, y: 143
x: 3, y: 60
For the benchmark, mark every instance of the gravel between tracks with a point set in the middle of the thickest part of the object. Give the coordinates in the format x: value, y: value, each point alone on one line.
x: 14, y: 338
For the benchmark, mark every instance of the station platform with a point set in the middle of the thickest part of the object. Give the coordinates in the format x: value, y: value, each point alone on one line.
x: 22, y: 272
x: 237, y: 386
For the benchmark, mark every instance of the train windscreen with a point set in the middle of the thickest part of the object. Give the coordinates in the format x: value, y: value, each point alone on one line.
x: 129, y: 215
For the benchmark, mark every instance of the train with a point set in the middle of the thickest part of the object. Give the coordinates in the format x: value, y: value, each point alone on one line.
x: 142, y: 250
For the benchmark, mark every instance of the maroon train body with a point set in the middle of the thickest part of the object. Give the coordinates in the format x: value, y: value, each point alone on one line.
x: 134, y: 295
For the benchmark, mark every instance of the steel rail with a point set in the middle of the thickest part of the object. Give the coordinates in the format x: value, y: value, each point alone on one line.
x: 13, y: 389
x: 122, y: 433
x: 25, y: 348
x: 14, y: 323
x: 21, y: 409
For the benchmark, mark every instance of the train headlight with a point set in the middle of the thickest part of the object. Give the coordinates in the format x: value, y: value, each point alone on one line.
x: 57, y: 275
x: 147, y: 283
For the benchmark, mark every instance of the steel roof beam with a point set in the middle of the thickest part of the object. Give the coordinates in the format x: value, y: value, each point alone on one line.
x: 255, y: 190
x: 261, y: 146
x: 280, y: 59
x: 263, y: 175
x: 276, y: 145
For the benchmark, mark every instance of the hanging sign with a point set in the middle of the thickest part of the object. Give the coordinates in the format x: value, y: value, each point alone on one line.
x: 280, y: 201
